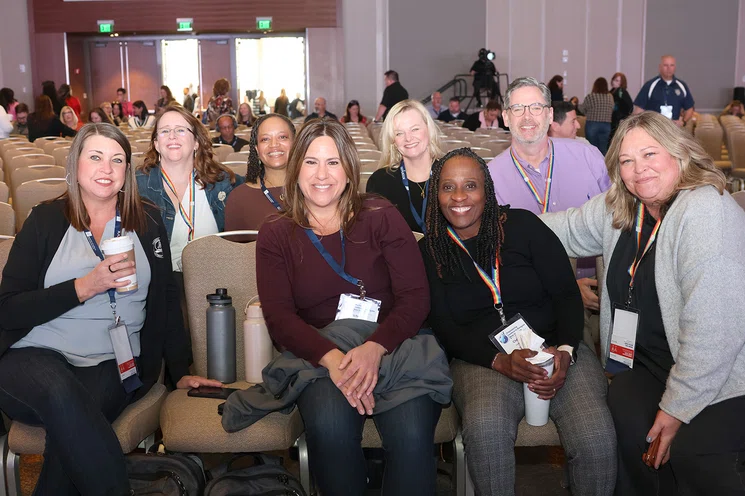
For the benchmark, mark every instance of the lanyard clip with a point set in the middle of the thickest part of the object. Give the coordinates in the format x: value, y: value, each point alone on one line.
x: 631, y: 290
x: 500, y: 308
x: 361, y: 285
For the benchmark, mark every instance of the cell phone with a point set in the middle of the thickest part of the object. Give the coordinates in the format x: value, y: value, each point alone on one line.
x: 217, y: 393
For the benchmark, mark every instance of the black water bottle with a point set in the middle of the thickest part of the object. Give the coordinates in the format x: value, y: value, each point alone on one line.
x: 221, y: 337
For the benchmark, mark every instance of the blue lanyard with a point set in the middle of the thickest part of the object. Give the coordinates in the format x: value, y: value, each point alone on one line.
x: 339, y: 269
x: 99, y: 254
x: 418, y: 218
x: 268, y: 194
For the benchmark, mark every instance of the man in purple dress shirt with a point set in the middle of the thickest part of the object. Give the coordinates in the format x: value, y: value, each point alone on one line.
x: 572, y: 171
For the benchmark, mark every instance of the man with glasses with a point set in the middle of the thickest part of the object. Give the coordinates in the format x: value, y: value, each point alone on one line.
x: 543, y: 174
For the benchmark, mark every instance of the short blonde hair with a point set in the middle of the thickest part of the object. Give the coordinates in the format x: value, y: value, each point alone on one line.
x: 695, y: 166
x: 391, y: 157
x: 74, y: 116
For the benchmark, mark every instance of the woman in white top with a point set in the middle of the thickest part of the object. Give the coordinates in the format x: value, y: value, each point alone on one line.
x: 141, y: 118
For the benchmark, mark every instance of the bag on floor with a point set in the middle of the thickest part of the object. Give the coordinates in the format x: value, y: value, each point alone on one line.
x: 267, y: 477
x: 165, y: 474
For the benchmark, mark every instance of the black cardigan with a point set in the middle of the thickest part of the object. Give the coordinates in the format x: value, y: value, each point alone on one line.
x: 25, y: 303
x: 537, y: 281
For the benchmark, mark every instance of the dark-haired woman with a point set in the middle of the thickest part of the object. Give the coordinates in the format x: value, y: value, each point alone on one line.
x: 556, y: 86
x: 166, y: 98
x: 353, y: 113
x: 486, y: 264
x: 117, y: 115
x: 623, y: 105
x: 250, y: 205
x: 335, y: 251
x: 141, y: 118
x: 64, y: 94
x: 598, y: 107
x: 49, y: 89
x: 58, y: 367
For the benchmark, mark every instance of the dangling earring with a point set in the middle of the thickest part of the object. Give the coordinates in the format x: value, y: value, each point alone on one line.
x: 67, y: 179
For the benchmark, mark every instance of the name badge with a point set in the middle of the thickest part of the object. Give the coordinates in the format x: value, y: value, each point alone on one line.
x: 122, y: 350
x: 506, y: 337
x: 351, y: 306
x: 624, y: 324
x: 667, y: 111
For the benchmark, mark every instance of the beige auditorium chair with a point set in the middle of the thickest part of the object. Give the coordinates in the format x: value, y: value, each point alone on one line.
x: 14, y: 151
x: 369, y: 165
x: 4, y: 192
x: 238, y: 167
x: 50, y: 146
x: 44, y: 139
x: 60, y: 155
x: 7, y: 220
x: 221, y: 151
x: 238, y: 157
x: 26, y: 160
x: 364, y: 176
x: 496, y: 147
x: 582, y: 120
x: 482, y: 152
x: 138, y: 159
x: 451, y: 144
x: 32, y: 193
x: 32, y: 172
x: 370, y: 154
x: 192, y: 424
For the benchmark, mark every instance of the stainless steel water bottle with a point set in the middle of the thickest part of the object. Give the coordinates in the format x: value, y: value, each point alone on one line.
x: 221, y: 337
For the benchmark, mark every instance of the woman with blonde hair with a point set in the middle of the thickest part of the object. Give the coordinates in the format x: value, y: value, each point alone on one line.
x: 410, y: 144
x: 674, y: 248
x: 69, y: 119
x: 735, y: 107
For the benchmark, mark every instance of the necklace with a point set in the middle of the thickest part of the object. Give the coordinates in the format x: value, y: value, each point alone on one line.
x: 421, y: 188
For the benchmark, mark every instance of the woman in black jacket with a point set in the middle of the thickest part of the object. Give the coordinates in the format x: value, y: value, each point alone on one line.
x: 44, y: 122
x: 623, y: 105
x: 63, y: 307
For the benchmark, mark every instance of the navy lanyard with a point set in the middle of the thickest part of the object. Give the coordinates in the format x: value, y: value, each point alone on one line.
x: 339, y: 269
x: 269, y: 195
x: 99, y: 254
x: 418, y: 218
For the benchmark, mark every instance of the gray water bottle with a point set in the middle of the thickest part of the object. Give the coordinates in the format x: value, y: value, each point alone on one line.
x: 221, y: 337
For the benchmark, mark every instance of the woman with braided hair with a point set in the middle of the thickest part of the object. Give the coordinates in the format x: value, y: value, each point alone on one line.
x: 271, y: 139
x: 487, y: 263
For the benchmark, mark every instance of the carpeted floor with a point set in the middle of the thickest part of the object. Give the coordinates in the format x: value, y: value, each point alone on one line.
x: 539, y: 473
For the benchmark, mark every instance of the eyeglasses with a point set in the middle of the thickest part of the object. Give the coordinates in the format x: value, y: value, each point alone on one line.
x: 180, y: 132
x: 535, y: 109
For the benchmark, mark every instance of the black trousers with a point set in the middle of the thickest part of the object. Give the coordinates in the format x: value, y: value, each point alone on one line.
x: 707, y: 455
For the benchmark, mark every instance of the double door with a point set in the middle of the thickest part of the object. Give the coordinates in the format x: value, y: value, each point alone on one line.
x: 125, y: 64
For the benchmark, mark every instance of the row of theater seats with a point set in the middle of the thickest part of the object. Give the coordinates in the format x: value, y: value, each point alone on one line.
x: 723, y: 139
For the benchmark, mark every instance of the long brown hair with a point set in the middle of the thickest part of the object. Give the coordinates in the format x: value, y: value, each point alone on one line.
x: 350, y: 202
x: 695, y: 165
x: 209, y: 170
x: 128, y: 199
x: 43, y: 108
x: 600, y: 86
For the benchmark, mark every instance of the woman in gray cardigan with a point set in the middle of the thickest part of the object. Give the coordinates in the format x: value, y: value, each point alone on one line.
x: 672, y: 324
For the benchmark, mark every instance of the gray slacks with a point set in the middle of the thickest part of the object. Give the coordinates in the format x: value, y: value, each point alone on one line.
x: 491, y: 406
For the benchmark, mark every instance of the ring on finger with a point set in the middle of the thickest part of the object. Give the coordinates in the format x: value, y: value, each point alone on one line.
x: 110, y: 269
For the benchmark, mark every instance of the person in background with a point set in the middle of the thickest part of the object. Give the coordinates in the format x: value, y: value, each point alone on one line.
x: 453, y: 111
x: 320, y: 110
x: 226, y: 125
x: 326, y: 219
x: 353, y: 113
x: 410, y: 143
x: 245, y: 115
x: 44, y: 122
x: 489, y: 118
x: 20, y: 125
x: 564, y: 123
x: 97, y: 116
x: 69, y: 119
x: 483, y: 72
x: 6, y: 126
x: 674, y: 250
x: 575, y: 101
x: 64, y: 94
x: 197, y: 103
x: 623, y: 106
x: 49, y: 89
x: 9, y: 95
x: 735, y: 107
x: 166, y: 98
x: 392, y: 94
x: 469, y: 234
x: 108, y: 110
x: 435, y: 107
x: 666, y: 94
x: 297, y: 107
x: 281, y: 103
x: 263, y: 195
x: 141, y: 118
x: 57, y: 361
x: 181, y: 176
x: 188, y: 100
x: 598, y: 107
x: 127, y: 106
x: 220, y: 103
x: 556, y: 87
x: 117, y: 116
x: 262, y: 104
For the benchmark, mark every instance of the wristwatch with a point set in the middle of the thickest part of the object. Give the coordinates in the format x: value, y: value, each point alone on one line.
x: 571, y: 350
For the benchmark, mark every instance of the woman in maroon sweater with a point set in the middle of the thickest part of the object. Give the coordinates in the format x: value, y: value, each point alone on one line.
x: 331, y: 245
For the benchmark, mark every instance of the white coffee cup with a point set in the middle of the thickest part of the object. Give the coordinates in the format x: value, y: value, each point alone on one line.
x: 115, y: 246
x: 536, y: 410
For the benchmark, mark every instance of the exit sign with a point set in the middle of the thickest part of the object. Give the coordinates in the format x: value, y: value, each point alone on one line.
x: 185, y: 24
x: 264, y: 23
x: 105, y: 27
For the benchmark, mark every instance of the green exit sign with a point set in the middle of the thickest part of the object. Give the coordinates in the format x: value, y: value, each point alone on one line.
x: 185, y: 24
x: 106, y: 27
x: 264, y: 23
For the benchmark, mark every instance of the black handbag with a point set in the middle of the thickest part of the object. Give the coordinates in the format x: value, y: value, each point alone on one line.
x: 267, y: 477
x: 165, y: 474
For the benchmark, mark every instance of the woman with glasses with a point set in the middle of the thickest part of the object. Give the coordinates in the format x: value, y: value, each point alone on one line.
x: 183, y: 178
x: 353, y: 113
x: 410, y: 143
x: 69, y: 119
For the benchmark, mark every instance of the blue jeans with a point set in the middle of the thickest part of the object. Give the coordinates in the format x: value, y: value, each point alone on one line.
x: 334, y: 433
x: 76, y: 406
x: 598, y: 134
